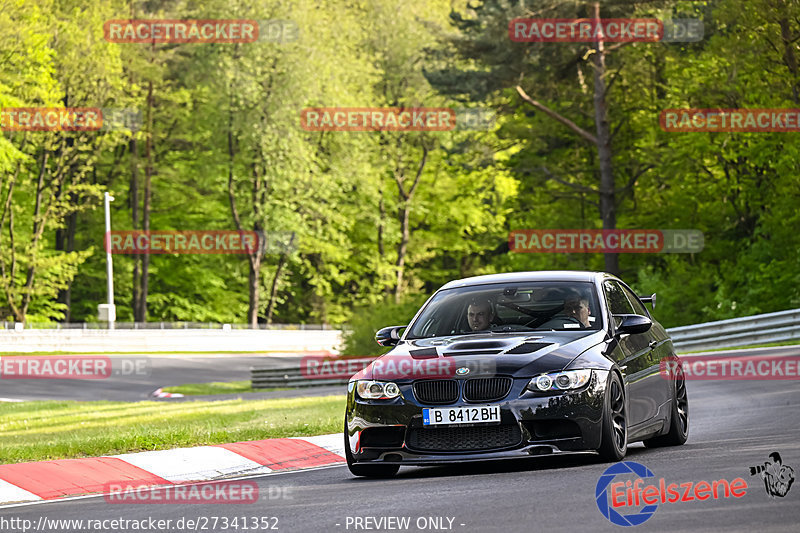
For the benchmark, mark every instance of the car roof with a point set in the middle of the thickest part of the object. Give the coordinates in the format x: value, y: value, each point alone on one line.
x: 538, y: 275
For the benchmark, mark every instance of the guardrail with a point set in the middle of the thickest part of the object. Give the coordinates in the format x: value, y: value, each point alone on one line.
x: 17, y: 326
x: 766, y: 328
x: 769, y: 327
x: 169, y: 340
x: 266, y: 378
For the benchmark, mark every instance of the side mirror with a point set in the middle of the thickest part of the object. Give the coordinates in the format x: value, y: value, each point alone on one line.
x: 649, y: 299
x: 633, y: 324
x: 388, y: 336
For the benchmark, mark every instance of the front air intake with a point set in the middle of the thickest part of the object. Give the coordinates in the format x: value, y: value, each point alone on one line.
x: 487, y: 389
x: 436, y: 391
x: 528, y: 347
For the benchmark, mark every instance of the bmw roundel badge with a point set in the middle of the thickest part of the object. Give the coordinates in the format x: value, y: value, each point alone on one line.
x: 463, y: 371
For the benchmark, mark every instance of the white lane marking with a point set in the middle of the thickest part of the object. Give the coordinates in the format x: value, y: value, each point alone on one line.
x: 237, y: 478
x: 333, y: 443
x: 10, y: 400
x: 740, y: 350
x: 202, y: 463
x: 245, y: 355
x: 11, y: 493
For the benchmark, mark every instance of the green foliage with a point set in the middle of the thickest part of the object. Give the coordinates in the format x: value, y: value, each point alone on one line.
x: 359, y: 337
x: 229, y: 113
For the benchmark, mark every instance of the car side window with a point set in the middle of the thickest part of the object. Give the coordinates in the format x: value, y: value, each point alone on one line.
x: 638, y: 307
x: 618, y: 303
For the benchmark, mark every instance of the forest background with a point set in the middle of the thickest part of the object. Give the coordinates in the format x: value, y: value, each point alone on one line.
x: 382, y: 219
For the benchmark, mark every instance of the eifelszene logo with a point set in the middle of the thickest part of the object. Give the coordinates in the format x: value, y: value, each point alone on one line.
x: 606, y: 504
x: 612, y: 497
x: 778, y: 477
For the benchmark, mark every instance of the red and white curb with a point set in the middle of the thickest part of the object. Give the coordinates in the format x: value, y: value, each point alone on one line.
x: 51, y: 480
x: 158, y: 393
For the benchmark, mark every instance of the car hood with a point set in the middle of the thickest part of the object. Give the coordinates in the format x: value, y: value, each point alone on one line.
x: 514, y: 354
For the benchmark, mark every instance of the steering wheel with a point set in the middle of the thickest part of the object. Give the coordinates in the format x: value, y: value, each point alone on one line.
x: 539, y: 320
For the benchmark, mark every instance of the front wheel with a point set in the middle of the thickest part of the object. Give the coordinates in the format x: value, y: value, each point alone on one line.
x: 366, y: 470
x: 614, y: 441
x: 679, y: 420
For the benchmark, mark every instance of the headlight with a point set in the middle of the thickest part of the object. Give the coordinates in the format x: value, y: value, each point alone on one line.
x: 377, y: 390
x: 556, y: 381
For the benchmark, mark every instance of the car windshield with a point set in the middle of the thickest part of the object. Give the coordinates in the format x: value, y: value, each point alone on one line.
x: 503, y: 308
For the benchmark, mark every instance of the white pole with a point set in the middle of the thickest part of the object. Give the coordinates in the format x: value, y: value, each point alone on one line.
x: 109, y: 268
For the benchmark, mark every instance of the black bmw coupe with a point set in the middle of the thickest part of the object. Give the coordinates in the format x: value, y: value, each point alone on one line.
x: 517, y: 365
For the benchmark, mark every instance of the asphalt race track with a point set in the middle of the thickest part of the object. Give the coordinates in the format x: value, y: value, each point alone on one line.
x: 134, y: 377
x: 733, y: 425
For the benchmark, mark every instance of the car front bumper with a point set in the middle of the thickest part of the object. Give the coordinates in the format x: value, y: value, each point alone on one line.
x: 532, y: 424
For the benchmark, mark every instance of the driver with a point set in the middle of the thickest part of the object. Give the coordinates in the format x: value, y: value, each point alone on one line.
x: 577, y: 306
x: 480, y: 314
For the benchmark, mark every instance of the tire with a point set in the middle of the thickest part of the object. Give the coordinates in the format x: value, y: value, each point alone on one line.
x: 679, y: 418
x: 614, y: 440
x: 366, y: 470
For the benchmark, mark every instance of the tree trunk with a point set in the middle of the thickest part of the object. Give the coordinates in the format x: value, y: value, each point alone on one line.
x: 9, y: 275
x: 254, y: 258
x: 403, y: 215
x: 148, y: 176
x: 789, y: 58
x: 133, y: 198
x: 402, y: 248
x: 381, y: 220
x: 274, y: 290
x: 38, y: 225
x: 65, y: 241
x: 607, y: 200
x: 254, y: 292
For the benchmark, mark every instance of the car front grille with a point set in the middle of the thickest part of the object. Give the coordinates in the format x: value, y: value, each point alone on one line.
x: 439, y: 391
x: 487, y: 389
x: 462, y: 439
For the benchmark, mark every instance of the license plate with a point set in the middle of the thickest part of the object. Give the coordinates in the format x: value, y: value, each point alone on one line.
x: 460, y: 415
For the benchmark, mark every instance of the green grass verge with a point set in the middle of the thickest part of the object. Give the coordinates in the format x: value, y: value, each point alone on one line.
x: 38, y: 431
x: 749, y: 346
x: 216, y: 387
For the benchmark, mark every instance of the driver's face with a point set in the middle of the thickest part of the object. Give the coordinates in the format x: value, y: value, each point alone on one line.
x: 578, y: 309
x: 479, y: 316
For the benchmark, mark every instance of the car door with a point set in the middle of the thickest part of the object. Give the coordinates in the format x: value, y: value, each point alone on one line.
x: 632, y: 356
x: 655, y: 390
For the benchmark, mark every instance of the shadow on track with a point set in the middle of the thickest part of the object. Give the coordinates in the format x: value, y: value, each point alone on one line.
x: 504, y: 466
